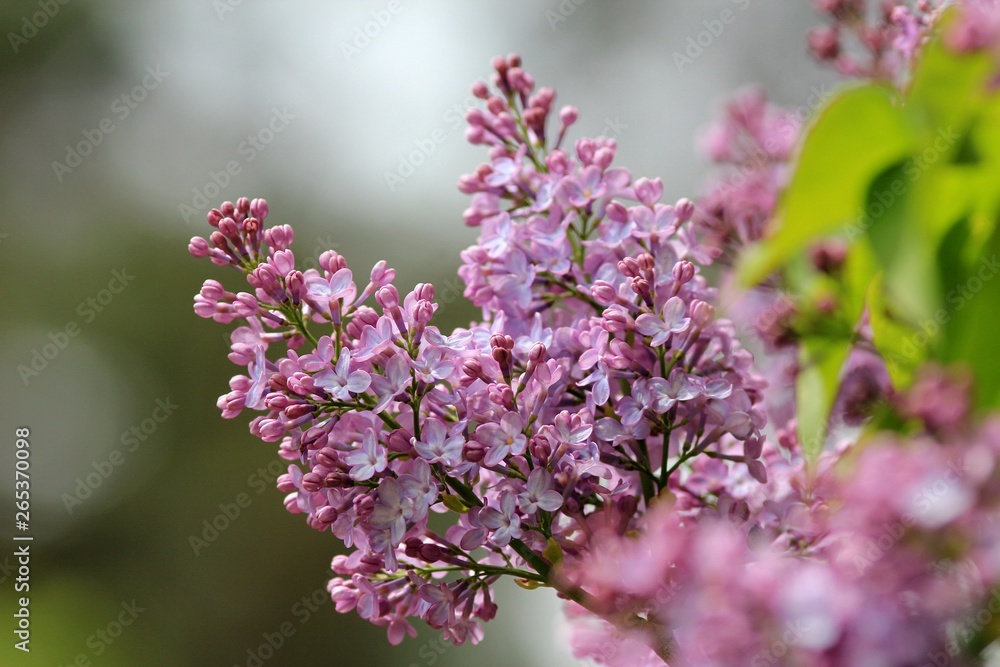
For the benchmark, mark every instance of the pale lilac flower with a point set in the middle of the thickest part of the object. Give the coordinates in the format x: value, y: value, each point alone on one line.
x: 673, y: 321
x: 539, y: 493
x: 341, y: 382
x: 368, y: 460
x: 435, y: 446
x: 504, y: 523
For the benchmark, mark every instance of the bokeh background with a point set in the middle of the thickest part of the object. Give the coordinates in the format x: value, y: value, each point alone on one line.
x: 115, y: 376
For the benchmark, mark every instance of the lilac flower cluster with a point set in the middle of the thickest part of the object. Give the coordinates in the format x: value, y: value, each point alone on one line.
x: 873, y: 39
x: 896, y: 564
x: 599, y: 381
x: 753, y: 141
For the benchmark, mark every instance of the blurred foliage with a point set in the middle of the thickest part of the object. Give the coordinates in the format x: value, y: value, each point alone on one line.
x: 911, y: 183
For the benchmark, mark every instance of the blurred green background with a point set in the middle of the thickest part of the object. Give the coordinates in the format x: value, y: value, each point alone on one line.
x: 162, y: 97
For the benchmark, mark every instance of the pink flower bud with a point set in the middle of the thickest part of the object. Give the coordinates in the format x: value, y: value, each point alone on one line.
x: 387, y: 297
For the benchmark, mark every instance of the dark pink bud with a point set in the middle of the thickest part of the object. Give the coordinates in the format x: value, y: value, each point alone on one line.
x: 298, y: 410
x: 259, y: 209
x: 311, y: 482
x: 557, y: 162
x: 473, y: 452
x: 430, y: 552
x: 568, y: 115
x: 387, y: 297
x: 615, y: 321
x: 245, y: 304
x: 604, y: 293
x: 683, y: 271
x: 684, y: 209
x: 424, y: 292
x: 332, y: 261
x: 328, y: 457
x: 198, y: 247
x: 327, y: 514
x: 648, y: 191
x: 243, y: 205
x: 702, y: 313
x: 227, y: 209
x: 628, y: 267
x: 481, y: 90
x: 399, y: 441
x: 214, y: 216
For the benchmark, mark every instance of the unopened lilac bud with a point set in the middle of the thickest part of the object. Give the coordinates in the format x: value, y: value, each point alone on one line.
x: 298, y: 410
x: 285, y: 484
x: 824, y: 43
x: 684, y: 209
x: 481, y: 90
x: 283, y: 261
x: 585, y: 150
x: 245, y: 304
x: 327, y: 514
x: 502, y: 341
x: 540, y: 450
x: 328, y: 457
x: 219, y: 240
x: 198, y: 247
x: 557, y: 162
x: 399, y: 441
x: 227, y: 209
x: 381, y: 274
x: 617, y: 212
x: 621, y: 354
x: 276, y: 401
x: 702, y: 313
x: 641, y: 287
x: 279, y: 237
x: 430, y: 552
x: 603, y: 157
x: 332, y: 261
x: 628, y: 267
x: 568, y: 115
x: 424, y: 292
x: 495, y: 105
x: 423, y: 312
x: 259, y: 209
x: 646, y: 263
x: 536, y: 353
x: 615, y: 320
x: 604, y: 293
x: 311, y: 482
x: 214, y: 217
x: 295, y: 283
x: 648, y: 191
x: 387, y: 297
x: 243, y: 205
x: 683, y: 271
x: 534, y: 118
x: 473, y: 452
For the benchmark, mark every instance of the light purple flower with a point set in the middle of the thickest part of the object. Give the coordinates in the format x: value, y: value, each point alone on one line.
x: 539, y: 493
x: 368, y: 460
x: 502, y: 439
x: 341, y: 382
x: 673, y: 321
x: 504, y: 523
x: 436, y: 447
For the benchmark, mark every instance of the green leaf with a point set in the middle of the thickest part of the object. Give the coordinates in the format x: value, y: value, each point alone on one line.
x: 861, y: 133
x: 454, y: 503
x: 821, y: 360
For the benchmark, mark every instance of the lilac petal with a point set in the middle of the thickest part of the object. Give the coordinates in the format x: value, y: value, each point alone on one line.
x: 648, y: 325
x: 757, y: 471
x: 550, y: 501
